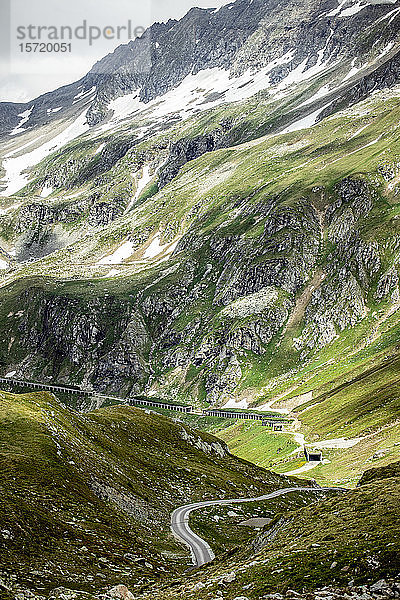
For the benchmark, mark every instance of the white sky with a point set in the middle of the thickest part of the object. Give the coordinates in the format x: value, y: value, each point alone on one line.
x: 24, y: 76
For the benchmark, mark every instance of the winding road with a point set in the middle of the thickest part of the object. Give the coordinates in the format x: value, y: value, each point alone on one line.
x: 201, y: 552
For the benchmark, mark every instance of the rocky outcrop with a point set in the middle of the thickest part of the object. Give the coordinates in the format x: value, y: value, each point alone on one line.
x: 66, y: 170
x: 189, y: 149
x: 141, y: 511
x: 40, y: 228
x: 352, y: 269
x: 103, y: 213
x: 388, y: 284
x: 220, y: 449
x: 101, y: 341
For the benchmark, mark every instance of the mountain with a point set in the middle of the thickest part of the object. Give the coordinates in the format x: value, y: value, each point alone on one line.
x: 212, y: 217
x: 247, y: 36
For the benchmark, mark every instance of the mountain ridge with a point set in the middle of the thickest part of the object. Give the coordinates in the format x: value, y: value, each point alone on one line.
x: 245, y: 35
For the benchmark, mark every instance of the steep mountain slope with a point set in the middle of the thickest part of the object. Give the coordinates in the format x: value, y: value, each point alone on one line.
x: 212, y: 257
x: 86, y: 499
x: 219, y: 262
x: 342, y: 547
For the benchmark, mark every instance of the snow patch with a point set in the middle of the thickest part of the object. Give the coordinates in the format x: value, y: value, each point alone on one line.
x: 367, y: 145
x: 4, y: 211
x: 100, y: 148
x: 269, y: 408
x: 14, y: 166
x: 386, y: 50
x: 20, y: 148
x: 156, y: 248
x: 234, y: 404
x: 3, y: 264
x: 323, y: 91
x: 202, y: 91
x: 24, y: 119
x: 353, y: 70
x: 301, y: 73
x: 359, y: 131
x: 337, y: 10
x: 141, y: 184
x: 305, y: 122
x: 121, y: 254
x: 355, y: 8
x: 113, y: 272
x: 46, y: 191
x: 82, y: 95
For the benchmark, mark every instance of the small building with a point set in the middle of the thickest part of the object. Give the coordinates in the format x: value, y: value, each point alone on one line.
x: 313, y: 455
x: 272, y: 424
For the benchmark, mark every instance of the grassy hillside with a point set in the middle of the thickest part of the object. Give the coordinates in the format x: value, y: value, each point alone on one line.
x: 86, y: 498
x: 356, y: 404
x: 350, y: 538
x: 360, y: 404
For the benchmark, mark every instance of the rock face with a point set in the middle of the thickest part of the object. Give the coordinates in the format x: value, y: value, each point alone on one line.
x: 217, y: 448
x: 78, y: 336
x: 189, y: 149
x: 340, y: 301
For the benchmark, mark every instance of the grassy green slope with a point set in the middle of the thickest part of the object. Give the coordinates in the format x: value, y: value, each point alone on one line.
x: 85, y: 499
x: 351, y: 537
x: 361, y: 403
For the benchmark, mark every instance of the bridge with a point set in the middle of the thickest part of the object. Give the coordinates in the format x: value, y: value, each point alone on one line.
x: 141, y: 401
x: 44, y: 386
x: 146, y: 402
x: 268, y: 419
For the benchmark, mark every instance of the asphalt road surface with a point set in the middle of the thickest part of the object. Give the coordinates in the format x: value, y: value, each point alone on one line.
x: 201, y: 552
